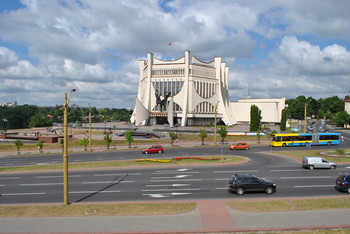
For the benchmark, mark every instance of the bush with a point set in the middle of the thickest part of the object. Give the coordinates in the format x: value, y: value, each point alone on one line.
x: 340, y: 151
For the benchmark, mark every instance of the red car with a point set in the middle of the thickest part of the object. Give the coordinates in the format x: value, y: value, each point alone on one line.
x: 240, y: 146
x: 153, y: 149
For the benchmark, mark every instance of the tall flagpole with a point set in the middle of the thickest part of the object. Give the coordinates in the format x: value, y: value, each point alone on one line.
x: 171, y: 50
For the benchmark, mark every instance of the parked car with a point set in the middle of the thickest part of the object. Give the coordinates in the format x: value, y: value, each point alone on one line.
x: 240, y: 146
x: 343, y: 182
x: 240, y: 184
x: 317, y: 162
x: 153, y: 149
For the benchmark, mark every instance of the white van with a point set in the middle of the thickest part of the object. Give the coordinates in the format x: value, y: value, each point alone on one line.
x: 317, y: 162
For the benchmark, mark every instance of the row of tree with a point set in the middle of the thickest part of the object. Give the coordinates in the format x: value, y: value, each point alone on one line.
x: 332, y: 108
x: 29, y: 116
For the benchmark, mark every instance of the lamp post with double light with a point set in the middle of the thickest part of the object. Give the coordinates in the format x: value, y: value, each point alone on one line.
x: 216, y: 107
x: 65, y: 147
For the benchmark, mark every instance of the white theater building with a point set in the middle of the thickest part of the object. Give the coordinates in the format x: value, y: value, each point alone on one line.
x: 190, y: 92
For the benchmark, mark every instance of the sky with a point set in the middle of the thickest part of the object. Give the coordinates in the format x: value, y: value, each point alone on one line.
x: 273, y: 48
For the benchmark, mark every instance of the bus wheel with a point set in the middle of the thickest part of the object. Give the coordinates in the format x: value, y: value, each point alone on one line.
x: 284, y: 145
x: 329, y: 143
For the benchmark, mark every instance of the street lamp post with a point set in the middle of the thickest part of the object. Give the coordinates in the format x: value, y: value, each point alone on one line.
x: 305, y: 116
x: 216, y: 107
x: 65, y: 148
x: 90, y: 135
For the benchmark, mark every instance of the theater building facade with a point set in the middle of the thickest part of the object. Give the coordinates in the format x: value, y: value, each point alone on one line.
x: 183, y: 92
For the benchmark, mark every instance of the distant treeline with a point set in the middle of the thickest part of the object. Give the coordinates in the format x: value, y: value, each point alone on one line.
x: 28, y: 116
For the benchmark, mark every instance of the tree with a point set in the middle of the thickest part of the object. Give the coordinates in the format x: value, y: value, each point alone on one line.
x: 129, y: 137
x: 18, y: 145
x: 108, y: 139
x: 62, y: 144
x: 223, y: 133
x: 202, y: 135
x: 342, y: 118
x: 40, y: 145
x: 255, y: 118
x: 173, y: 137
x: 40, y: 120
x: 84, y: 142
x: 283, y: 120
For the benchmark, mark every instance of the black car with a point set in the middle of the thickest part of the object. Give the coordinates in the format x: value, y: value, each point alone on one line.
x: 343, y: 182
x: 240, y: 184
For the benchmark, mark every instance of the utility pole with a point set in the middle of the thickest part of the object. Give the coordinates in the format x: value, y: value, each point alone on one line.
x: 65, y: 148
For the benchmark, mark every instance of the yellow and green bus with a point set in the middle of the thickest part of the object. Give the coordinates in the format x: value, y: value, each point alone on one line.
x: 302, y: 139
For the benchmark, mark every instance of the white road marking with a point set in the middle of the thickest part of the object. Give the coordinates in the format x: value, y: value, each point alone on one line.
x: 113, y: 191
x: 47, y: 177
x: 313, y: 186
x: 306, y: 177
x: 178, y: 170
x: 117, y: 174
x: 161, y: 195
x: 291, y: 170
x: 167, y: 185
x: 44, y: 184
x: 176, y: 189
x: 107, y: 182
x: 222, y: 188
x: 178, y: 176
x: 9, y: 178
x: 174, y: 172
x: 222, y: 179
x: 248, y: 171
x: 21, y: 194
x: 176, y: 180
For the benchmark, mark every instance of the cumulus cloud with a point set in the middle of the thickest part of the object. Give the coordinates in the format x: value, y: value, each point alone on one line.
x: 273, y: 48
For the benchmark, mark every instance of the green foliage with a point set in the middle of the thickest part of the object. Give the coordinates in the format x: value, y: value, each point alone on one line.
x: 283, y: 120
x: 129, y: 137
x: 28, y: 116
x: 40, y: 145
x: 223, y: 133
x: 40, y: 120
x: 18, y: 144
x: 340, y: 151
x: 84, y: 142
x: 108, y: 139
x: 255, y: 118
x: 173, y: 136
x: 341, y: 118
x: 202, y: 135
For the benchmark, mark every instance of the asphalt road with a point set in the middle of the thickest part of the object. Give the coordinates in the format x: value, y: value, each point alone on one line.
x: 162, y: 183
x: 75, y: 157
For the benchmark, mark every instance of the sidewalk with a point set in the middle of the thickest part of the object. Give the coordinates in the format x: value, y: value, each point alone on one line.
x: 211, y: 216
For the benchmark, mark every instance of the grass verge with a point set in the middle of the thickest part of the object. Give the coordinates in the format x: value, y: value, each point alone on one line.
x: 127, y: 163
x: 96, y: 210
x: 299, y: 154
x: 290, y: 205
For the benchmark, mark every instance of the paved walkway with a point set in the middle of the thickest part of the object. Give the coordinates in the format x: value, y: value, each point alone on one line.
x: 210, y: 216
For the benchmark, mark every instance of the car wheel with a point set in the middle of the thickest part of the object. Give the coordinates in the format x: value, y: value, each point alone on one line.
x: 160, y: 151
x: 146, y: 152
x: 311, y: 167
x: 239, y: 191
x: 332, y: 167
x: 269, y: 190
x: 247, y: 148
x: 348, y: 190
